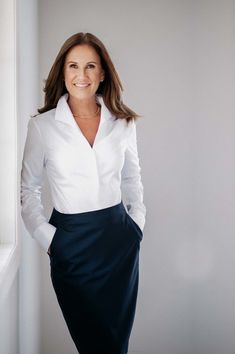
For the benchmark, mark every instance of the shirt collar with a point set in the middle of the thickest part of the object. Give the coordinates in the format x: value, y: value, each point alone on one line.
x: 63, y: 112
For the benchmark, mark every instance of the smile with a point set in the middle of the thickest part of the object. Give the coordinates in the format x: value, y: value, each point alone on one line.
x: 81, y: 85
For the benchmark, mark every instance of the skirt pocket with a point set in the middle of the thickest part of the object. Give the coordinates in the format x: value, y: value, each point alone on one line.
x: 53, y: 241
x: 136, y: 226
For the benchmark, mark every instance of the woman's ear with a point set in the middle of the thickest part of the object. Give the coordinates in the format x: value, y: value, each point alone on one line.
x: 102, y: 76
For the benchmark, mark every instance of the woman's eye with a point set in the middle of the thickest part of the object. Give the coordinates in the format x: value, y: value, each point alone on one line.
x: 89, y: 66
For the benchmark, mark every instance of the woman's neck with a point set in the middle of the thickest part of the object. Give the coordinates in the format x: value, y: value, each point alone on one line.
x: 83, y: 107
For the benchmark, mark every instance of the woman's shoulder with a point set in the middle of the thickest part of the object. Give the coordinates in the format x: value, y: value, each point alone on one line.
x: 45, y: 118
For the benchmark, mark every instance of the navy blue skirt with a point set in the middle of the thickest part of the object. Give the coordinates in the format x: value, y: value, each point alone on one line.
x: 94, y: 263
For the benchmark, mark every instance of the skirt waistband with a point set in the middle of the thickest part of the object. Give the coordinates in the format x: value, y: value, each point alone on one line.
x: 88, y: 216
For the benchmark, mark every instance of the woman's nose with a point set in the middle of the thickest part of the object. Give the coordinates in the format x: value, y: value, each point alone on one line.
x: 81, y: 74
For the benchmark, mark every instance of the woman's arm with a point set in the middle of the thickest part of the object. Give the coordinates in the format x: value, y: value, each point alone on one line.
x: 32, y: 210
x: 131, y: 185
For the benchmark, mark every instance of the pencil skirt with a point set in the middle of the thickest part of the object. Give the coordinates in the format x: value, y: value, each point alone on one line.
x: 94, y: 269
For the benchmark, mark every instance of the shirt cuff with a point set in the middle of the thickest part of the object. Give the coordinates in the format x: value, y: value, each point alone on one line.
x: 44, y: 234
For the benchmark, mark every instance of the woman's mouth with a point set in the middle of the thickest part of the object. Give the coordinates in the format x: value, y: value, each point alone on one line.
x: 81, y: 85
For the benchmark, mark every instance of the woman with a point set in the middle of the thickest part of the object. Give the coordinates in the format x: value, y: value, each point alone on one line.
x: 85, y: 137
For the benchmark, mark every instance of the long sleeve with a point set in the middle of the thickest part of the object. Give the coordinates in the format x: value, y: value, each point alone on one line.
x: 131, y: 184
x: 32, y: 210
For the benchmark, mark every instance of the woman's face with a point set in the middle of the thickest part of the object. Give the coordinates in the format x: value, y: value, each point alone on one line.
x: 82, y: 71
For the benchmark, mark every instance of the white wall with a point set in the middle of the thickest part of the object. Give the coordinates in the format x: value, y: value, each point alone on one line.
x: 176, y: 61
x: 29, y: 300
x: 214, y: 177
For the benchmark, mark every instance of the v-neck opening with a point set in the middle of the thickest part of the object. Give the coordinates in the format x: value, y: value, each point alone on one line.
x: 97, y: 132
x: 64, y: 114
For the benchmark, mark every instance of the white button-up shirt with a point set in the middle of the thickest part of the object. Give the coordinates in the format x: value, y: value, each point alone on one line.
x: 81, y: 178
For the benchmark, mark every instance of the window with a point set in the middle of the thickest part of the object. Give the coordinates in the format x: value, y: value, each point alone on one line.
x: 9, y: 250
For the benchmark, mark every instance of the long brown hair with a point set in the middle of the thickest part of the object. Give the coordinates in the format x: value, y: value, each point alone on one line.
x: 110, y: 88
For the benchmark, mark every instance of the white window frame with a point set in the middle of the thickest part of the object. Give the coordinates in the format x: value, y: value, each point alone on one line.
x: 9, y: 183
